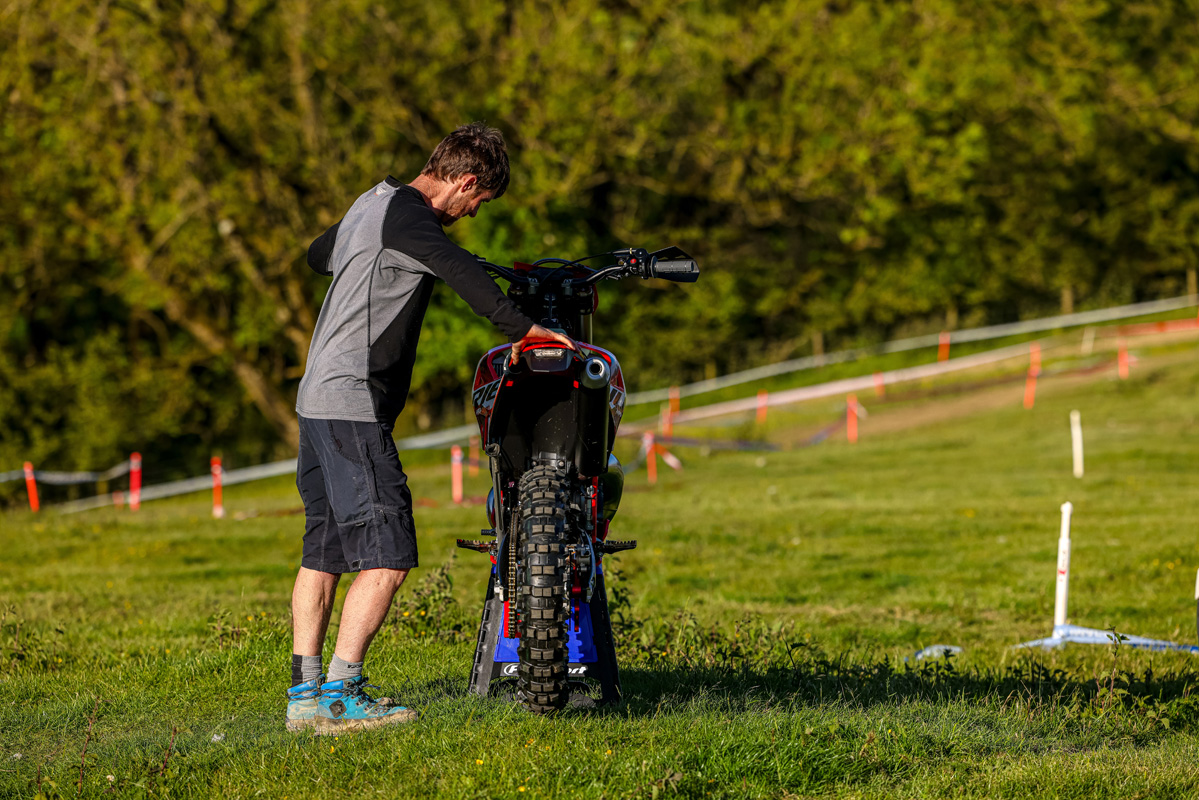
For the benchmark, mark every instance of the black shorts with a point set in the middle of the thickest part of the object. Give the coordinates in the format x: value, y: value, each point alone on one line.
x: 357, y: 507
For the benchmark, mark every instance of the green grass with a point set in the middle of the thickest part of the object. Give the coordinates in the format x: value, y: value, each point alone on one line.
x: 764, y: 624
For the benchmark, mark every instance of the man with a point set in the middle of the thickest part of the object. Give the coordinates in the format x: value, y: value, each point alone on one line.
x: 384, y: 256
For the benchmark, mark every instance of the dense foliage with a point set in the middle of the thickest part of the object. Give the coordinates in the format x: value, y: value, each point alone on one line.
x: 843, y: 170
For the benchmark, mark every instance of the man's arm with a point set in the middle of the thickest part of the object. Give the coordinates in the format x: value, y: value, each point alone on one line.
x: 415, y: 232
x: 320, y: 252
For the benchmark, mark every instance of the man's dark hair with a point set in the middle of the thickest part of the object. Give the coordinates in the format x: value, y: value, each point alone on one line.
x: 475, y: 149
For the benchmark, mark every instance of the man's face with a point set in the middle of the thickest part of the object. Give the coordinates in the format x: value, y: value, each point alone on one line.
x: 465, y: 202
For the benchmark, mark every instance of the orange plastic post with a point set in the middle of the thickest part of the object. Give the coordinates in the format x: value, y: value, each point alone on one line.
x: 1034, y: 370
x: 218, y: 505
x: 651, y: 457
x: 943, y: 346
x: 763, y: 404
x: 851, y: 418
x: 472, y: 462
x: 666, y: 422
x: 674, y: 400
x: 1122, y: 361
x: 31, y: 487
x: 879, y: 385
x: 135, y: 481
x: 456, y: 474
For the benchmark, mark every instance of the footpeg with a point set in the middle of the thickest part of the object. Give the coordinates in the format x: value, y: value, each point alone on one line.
x: 475, y: 544
x: 616, y: 546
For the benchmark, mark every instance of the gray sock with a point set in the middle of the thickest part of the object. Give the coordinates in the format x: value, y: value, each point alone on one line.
x: 343, y: 670
x: 304, y: 668
x: 311, y: 668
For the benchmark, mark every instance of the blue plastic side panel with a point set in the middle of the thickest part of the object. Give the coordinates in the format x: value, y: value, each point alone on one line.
x: 580, y: 646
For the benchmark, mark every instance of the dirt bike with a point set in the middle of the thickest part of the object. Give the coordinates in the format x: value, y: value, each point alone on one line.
x: 548, y: 422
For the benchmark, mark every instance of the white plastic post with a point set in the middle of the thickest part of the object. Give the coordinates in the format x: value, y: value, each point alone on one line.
x: 1076, y: 439
x: 1197, y: 586
x: 1063, y: 567
x: 1088, y: 340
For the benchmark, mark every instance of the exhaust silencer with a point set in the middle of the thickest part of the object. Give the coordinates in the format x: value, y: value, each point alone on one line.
x: 596, y: 373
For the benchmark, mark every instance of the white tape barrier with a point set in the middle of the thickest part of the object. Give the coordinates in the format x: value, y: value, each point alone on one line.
x: 274, y: 469
x: 847, y: 385
x: 916, y: 343
x: 462, y: 433
x: 68, y: 478
x: 202, y: 483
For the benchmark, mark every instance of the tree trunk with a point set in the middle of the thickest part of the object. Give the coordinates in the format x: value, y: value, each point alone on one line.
x: 278, y: 410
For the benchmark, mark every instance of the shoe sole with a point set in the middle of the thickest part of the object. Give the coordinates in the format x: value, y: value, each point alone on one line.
x: 300, y: 725
x: 324, y: 726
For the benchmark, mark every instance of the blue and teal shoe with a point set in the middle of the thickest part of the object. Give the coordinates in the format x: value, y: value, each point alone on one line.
x: 345, y: 706
x: 302, y: 704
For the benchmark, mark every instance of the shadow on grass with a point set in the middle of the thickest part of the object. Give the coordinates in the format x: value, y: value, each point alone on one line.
x: 1168, y: 697
x: 676, y: 663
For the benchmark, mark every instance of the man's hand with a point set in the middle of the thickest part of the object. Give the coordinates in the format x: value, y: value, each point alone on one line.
x: 540, y: 334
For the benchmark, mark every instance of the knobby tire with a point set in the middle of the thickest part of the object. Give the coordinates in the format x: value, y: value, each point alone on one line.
x: 542, y: 674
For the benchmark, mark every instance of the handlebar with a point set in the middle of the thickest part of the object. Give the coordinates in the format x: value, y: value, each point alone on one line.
x: 680, y: 270
x: 670, y: 264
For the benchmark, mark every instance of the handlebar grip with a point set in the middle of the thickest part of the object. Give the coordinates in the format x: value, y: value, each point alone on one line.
x: 682, y: 270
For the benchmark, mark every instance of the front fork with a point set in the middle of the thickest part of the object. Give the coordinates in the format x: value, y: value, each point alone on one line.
x: 590, y: 521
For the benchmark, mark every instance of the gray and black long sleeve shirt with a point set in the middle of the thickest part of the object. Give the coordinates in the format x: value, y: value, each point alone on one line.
x: 384, y: 256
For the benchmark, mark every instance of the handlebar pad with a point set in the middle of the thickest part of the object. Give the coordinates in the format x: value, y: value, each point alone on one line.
x: 683, y: 270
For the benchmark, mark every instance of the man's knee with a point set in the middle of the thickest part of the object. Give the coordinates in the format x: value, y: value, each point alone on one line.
x: 384, y: 578
x: 317, y: 579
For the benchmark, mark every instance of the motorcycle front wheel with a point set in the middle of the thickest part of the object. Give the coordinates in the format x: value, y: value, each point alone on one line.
x: 542, y: 675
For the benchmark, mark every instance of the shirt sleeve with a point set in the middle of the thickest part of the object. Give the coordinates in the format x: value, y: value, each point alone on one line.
x: 320, y: 252
x: 412, y: 229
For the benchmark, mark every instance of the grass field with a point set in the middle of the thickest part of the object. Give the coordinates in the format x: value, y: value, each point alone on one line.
x: 763, y: 623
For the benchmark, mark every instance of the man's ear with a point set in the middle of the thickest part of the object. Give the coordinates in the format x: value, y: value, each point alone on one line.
x: 467, y: 182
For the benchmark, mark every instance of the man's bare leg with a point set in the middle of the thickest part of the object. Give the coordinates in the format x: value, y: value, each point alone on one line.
x: 366, y: 606
x: 311, y: 605
x: 343, y: 704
